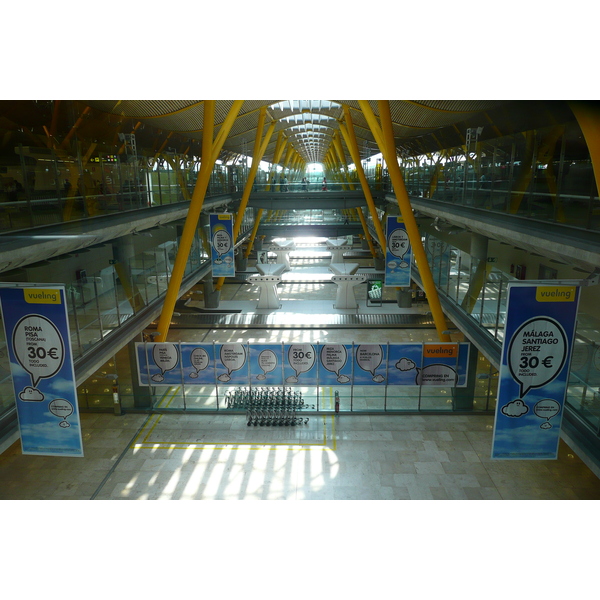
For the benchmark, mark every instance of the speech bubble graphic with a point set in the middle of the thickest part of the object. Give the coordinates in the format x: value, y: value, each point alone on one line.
x: 221, y: 242
x: 267, y: 361
x: 233, y: 357
x: 166, y: 358
x: 369, y: 357
x: 537, y: 353
x: 30, y: 394
x: 435, y: 247
x: 398, y: 244
x: 516, y: 408
x: 39, y: 347
x: 301, y: 357
x: 200, y: 360
x: 546, y: 409
x: 405, y: 364
x: 436, y: 374
x: 335, y: 359
x: 61, y: 408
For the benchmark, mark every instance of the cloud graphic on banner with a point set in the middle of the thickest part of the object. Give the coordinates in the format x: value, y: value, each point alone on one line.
x: 405, y: 364
x: 30, y: 394
x: 516, y: 408
x: 48, y: 434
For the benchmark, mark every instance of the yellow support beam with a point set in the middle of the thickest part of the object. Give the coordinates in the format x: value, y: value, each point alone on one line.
x: 191, y: 223
x: 337, y: 144
x: 363, y: 222
x: 178, y: 176
x: 588, y: 117
x: 259, y: 150
x: 386, y: 134
x: 350, y: 139
x: 253, y: 234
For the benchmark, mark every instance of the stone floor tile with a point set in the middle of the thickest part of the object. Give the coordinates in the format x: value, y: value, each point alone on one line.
x: 439, y: 493
x: 355, y: 493
x: 429, y: 467
x: 419, y: 457
x: 420, y: 493
x: 394, y: 493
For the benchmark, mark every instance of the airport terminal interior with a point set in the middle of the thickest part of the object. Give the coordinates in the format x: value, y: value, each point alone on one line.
x: 295, y: 299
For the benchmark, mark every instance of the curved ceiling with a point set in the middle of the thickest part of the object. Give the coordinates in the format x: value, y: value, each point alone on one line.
x: 307, y: 125
x: 305, y: 128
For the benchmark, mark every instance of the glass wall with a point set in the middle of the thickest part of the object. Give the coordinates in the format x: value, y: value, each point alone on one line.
x: 544, y: 174
x: 479, y: 288
x: 41, y: 188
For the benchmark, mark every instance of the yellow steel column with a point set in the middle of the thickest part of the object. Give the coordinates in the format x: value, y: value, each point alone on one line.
x: 256, y: 158
x: 259, y: 150
x: 386, y: 134
x: 588, y: 117
x: 191, y: 222
x: 179, y: 177
x: 363, y: 222
x: 520, y: 187
x: 253, y: 235
x: 350, y: 139
x: 79, y: 121
x: 337, y: 143
x: 226, y: 128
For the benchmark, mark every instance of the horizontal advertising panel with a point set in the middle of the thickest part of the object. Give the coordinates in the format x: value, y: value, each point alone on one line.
x: 442, y: 364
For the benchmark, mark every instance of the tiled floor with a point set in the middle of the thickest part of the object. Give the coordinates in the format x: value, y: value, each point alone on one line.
x: 348, y: 457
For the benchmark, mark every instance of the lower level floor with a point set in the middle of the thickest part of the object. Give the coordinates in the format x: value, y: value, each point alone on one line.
x: 178, y: 456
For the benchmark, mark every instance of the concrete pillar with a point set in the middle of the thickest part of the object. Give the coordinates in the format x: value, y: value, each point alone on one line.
x: 124, y: 250
x: 211, y: 296
x: 142, y: 394
x: 462, y: 398
x: 241, y: 262
x: 404, y: 298
x: 479, y: 246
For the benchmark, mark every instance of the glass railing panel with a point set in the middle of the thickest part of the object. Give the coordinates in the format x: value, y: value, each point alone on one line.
x: 365, y: 398
x: 435, y: 398
x: 399, y: 398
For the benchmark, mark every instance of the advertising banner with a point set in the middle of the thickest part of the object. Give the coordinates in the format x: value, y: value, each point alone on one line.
x: 198, y: 364
x: 231, y: 362
x: 335, y: 364
x: 159, y: 363
x: 441, y: 365
x: 398, y: 254
x: 36, y: 326
x: 431, y: 364
x: 438, y: 256
x: 257, y: 365
x: 371, y: 364
x: 222, y: 245
x: 536, y: 356
x: 405, y: 362
x: 300, y: 364
x: 266, y: 364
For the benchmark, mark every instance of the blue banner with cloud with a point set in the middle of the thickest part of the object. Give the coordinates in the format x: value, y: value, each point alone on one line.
x: 536, y: 355
x: 36, y: 326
